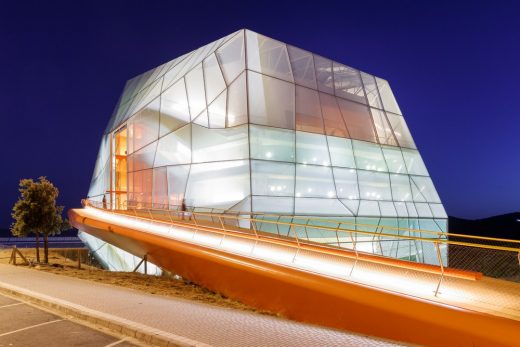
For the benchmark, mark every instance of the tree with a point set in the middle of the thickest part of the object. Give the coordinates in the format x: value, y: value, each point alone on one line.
x: 36, y: 212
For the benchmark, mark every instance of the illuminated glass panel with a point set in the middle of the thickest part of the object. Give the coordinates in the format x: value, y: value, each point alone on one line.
x: 341, y: 153
x: 387, y: 96
x: 401, y: 189
x: 219, y: 185
x: 383, y: 129
x: 311, y: 149
x: 369, y: 156
x: 195, y: 88
x: 332, y: 118
x: 414, y: 162
x: 272, y: 178
x: 160, y: 188
x: 273, y: 204
x: 213, y: 77
x: 145, y: 125
x: 237, y: 102
x: 346, y: 183
x: 347, y: 83
x: 174, y: 148
x: 401, y: 131
x: 175, y: 112
x: 324, y: 74
x: 394, y: 159
x: 272, y: 143
x: 371, y: 91
x: 143, y: 159
x: 314, y: 181
x: 426, y: 188
x: 217, y: 112
x: 374, y: 185
x: 219, y: 144
x: 177, y: 179
x: 271, y: 101
x: 232, y: 57
x: 308, y: 111
x: 302, y: 67
x: 267, y: 56
x: 358, y: 120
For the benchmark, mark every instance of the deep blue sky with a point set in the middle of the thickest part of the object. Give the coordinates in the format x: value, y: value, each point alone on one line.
x: 455, y: 69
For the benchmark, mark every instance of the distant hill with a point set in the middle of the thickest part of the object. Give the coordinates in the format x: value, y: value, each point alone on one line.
x: 505, y: 226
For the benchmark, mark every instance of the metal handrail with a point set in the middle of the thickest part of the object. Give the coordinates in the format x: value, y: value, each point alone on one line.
x: 444, y: 240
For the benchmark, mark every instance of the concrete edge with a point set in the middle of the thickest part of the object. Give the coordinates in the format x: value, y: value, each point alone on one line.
x: 138, y: 331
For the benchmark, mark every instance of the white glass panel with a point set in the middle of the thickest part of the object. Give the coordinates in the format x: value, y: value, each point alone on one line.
x: 237, y: 102
x: 371, y: 91
x: 174, y: 148
x: 341, y: 153
x: 218, y: 185
x: 308, y: 111
x: 332, y: 117
x: 324, y: 74
x: 358, y: 120
x: 232, y: 57
x: 217, y: 112
x: 346, y: 183
x: 387, y: 209
x: 267, y: 56
x: 426, y: 188
x: 271, y: 101
x: 401, y: 189
x: 374, y: 185
x: 414, y: 162
x: 143, y: 159
x: 411, y: 209
x: 302, y: 67
x: 328, y: 207
x: 271, y: 204
x: 145, y: 125
x: 314, y: 181
x: 272, y: 178
x: 423, y: 210
x: 438, y: 211
x: 202, y: 119
x: 401, y: 131
x: 383, y: 129
x: 174, y: 108
x: 311, y: 149
x: 272, y: 143
x: 351, y: 205
x: 368, y: 209
x: 219, y: 144
x: 213, y: 77
x: 369, y: 156
x: 401, y: 209
x: 347, y: 83
x: 177, y: 178
x: 196, y: 93
x: 394, y: 159
x: 160, y: 188
x: 389, y: 102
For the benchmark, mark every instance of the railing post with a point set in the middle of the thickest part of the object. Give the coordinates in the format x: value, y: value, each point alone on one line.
x: 221, y: 222
x: 254, y: 228
x: 439, y: 257
x: 297, y: 242
x: 357, y: 255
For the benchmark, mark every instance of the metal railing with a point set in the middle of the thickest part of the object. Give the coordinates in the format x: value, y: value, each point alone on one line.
x: 448, y: 262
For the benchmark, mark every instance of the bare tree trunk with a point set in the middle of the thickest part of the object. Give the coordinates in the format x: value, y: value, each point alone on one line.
x: 46, y: 248
x: 37, y: 248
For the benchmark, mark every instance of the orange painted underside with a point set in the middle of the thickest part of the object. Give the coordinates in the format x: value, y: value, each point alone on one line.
x: 309, y: 297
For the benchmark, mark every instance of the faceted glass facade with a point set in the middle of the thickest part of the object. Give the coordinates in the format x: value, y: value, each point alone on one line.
x: 251, y: 124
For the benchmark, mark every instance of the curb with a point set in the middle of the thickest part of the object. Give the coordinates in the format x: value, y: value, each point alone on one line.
x: 140, y: 332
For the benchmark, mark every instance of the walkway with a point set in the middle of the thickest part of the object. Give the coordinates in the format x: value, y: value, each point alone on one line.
x: 206, y: 324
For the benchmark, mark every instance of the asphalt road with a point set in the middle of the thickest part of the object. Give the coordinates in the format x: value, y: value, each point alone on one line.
x: 25, y: 325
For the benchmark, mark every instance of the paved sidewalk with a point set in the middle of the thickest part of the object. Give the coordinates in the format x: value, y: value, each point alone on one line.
x: 188, y: 322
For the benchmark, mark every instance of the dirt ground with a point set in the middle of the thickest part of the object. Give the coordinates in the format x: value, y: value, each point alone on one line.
x: 64, y: 262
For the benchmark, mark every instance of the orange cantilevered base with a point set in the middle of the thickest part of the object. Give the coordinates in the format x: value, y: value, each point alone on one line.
x: 310, y: 297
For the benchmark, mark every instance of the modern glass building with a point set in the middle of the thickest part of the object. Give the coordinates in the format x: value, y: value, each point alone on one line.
x: 251, y: 124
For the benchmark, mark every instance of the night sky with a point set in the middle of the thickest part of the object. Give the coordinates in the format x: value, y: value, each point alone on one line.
x: 454, y: 68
